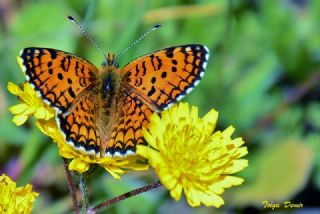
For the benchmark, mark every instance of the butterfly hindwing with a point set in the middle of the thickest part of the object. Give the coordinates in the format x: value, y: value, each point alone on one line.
x: 80, y: 126
x: 167, y: 75
x: 58, y: 76
x: 127, y: 132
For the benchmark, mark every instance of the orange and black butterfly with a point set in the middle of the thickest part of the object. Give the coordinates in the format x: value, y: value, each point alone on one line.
x: 102, y: 111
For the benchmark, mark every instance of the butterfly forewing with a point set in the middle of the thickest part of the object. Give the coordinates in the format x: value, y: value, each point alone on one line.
x: 58, y: 76
x: 167, y: 75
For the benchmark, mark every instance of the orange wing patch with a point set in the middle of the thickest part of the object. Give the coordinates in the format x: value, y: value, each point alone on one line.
x: 58, y: 76
x: 167, y: 75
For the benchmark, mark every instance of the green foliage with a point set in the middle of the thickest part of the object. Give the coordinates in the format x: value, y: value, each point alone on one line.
x: 263, y: 77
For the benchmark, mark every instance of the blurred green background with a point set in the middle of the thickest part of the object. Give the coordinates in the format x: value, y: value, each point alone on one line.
x: 263, y: 77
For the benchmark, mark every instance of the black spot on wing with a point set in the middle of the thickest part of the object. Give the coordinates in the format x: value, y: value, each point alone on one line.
x: 152, y: 91
x: 71, y: 92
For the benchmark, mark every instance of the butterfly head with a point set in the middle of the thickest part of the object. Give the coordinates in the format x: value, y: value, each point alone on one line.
x: 110, y: 61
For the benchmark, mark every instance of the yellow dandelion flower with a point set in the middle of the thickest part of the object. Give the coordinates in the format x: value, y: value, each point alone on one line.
x: 15, y: 200
x: 188, y: 156
x: 32, y: 105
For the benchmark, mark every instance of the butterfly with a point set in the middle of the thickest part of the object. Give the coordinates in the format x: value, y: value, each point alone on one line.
x: 102, y: 111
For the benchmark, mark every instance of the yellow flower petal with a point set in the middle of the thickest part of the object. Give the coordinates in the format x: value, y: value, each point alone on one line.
x: 176, y: 192
x: 19, y: 119
x: 147, y: 135
x: 78, y: 166
x: 42, y: 113
x: 211, y: 118
x: 148, y: 151
x: 211, y: 200
x: 13, y: 89
x: 18, y: 109
x: 237, y: 166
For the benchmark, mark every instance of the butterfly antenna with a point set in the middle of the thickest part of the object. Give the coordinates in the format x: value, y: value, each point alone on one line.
x: 86, y: 35
x: 139, y: 39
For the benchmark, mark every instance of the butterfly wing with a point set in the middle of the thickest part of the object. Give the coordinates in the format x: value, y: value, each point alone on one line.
x: 79, y: 126
x: 127, y: 133
x: 167, y: 75
x: 58, y: 76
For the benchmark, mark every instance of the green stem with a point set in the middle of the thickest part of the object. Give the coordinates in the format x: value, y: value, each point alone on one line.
x: 126, y: 195
x: 84, y: 193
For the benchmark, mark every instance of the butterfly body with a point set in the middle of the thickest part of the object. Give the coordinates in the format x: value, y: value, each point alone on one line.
x: 107, y: 94
x: 102, y: 111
